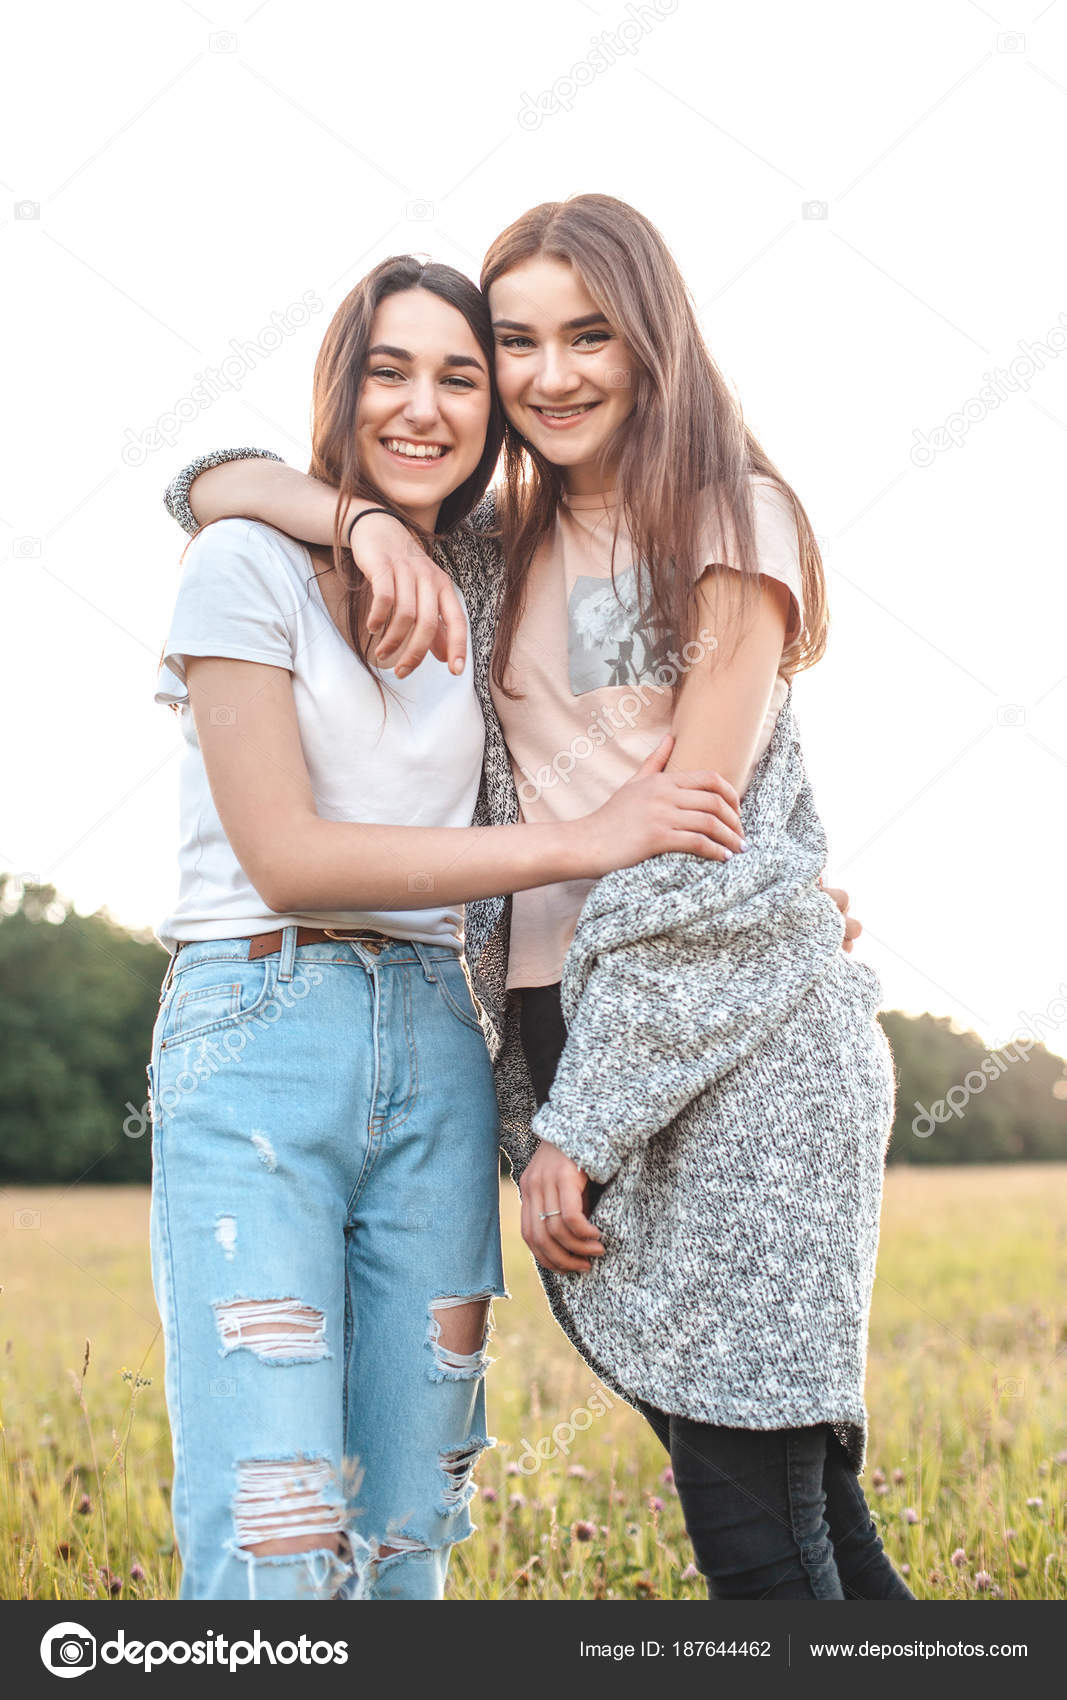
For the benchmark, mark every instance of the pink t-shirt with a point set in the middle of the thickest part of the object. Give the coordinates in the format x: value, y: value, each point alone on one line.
x: 597, y: 691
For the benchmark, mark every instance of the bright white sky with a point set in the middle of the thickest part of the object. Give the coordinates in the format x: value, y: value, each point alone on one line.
x: 197, y: 168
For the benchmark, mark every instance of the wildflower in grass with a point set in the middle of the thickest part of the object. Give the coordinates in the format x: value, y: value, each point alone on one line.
x: 690, y: 1574
x: 517, y: 1501
x: 959, y: 1558
x: 983, y: 1580
x: 136, y: 1572
x: 583, y: 1531
x: 877, y: 1477
x: 1009, y: 1534
x: 905, y: 1569
x: 1061, y: 1458
x: 579, y: 1472
x: 667, y: 1477
x: 910, y: 1514
x: 110, y: 1581
x: 1035, y: 1503
x: 489, y: 1495
x: 898, y: 1476
x: 85, y: 1505
x: 654, y: 1504
x: 880, y: 1487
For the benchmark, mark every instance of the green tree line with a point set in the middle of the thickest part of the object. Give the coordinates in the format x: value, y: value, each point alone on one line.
x: 79, y: 995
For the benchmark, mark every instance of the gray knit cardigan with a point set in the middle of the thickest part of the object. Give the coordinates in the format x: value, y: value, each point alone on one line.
x: 724, y: 1074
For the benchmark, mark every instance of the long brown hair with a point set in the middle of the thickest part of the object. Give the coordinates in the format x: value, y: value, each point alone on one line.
x: 684, y: 444
x: 339, y: 374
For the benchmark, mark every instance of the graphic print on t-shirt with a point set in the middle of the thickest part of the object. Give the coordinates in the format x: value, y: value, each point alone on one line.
x: 609, y: 641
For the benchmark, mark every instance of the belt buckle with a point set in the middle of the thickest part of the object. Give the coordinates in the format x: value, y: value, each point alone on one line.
x: 370, y: 940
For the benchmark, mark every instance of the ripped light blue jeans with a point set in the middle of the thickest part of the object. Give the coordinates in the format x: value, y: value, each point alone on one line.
x: 325, y: 1244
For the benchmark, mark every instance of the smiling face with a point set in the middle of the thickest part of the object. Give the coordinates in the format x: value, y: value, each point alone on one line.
x: 424, y: 403
x: 564, y: 374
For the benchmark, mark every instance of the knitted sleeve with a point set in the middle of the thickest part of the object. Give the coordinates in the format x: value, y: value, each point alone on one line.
x: 657, y: 1020
x: 176, y: 495
x: 484, y: 518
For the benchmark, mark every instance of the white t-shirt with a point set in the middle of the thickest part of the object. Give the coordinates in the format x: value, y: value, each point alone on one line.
x: 249, y: 592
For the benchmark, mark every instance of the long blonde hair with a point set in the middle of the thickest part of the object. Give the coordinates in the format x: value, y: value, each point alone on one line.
x: 685, y: 443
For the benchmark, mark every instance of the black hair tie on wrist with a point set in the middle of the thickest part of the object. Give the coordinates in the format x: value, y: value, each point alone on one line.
x: 363, y: 515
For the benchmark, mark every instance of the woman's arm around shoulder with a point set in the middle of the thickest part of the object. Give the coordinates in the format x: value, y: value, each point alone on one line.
x: 414, y: 610
x: 178, y: 496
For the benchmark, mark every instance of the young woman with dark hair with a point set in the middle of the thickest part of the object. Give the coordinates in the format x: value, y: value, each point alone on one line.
x: 325, y: 1236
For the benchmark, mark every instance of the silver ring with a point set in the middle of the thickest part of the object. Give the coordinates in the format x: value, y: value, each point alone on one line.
x: 545, y: 1214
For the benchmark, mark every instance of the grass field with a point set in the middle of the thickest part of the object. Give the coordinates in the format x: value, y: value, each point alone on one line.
x: 966, y: 1387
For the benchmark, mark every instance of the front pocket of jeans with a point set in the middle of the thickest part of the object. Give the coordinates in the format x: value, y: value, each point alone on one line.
x: 197, y: 1010
x: 465, y: 1011
x: 202, y: 1006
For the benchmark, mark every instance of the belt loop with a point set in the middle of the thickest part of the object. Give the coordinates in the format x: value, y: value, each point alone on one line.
x: 169, y: 975
x: 421, y: 953
x: 288, y: 954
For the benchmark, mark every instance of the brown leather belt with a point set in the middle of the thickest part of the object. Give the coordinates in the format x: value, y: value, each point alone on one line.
x: 265, y: 944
